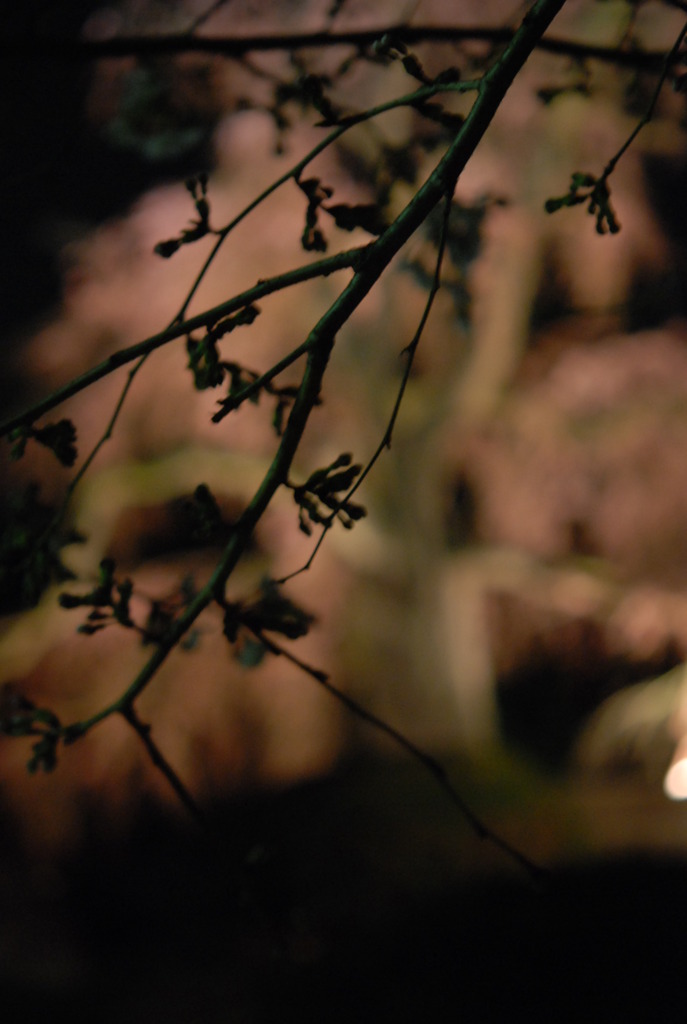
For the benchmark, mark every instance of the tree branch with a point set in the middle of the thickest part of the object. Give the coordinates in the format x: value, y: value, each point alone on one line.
x: 320, y: 342
x: 162, y: 764
x: 433, y: 766
x: 319, y: 268
x: 85, y: 50
x: 409, y: 351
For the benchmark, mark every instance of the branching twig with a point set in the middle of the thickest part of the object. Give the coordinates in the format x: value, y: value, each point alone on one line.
x: 319, y: 268
x: 668, y: 61
x: 179, y: 326
x: 320, y: 342
x: 368, y: 264
x: 409, y: 351
x: 595, y: 192
x: 416, y: 97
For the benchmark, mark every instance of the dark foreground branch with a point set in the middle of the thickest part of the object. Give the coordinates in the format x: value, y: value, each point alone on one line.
x: 182, y: 328
x: 162, y: 764
x: 32, y: 48
x: 319, y: 345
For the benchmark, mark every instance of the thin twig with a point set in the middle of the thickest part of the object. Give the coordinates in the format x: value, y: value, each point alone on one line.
x: 107, y: 434
x: 433, y: 766
x: 294, y: 173
x: 206, y: 15
x: 143, y: 731
x: 233, y: 877
x: 319, y: 268
x: 668, y: 62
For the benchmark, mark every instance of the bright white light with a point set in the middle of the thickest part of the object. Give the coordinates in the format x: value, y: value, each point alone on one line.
x: 675, y: 782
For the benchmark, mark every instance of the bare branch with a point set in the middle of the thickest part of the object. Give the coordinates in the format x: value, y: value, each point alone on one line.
x: 320, y: 343
x: 87, y: 50
x: 143, y: 731
x: 319, y: 268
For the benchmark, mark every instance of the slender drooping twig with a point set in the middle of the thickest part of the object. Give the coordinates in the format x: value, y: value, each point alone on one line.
x: 143, y: 731
x: 667, y: 63
x: 433, y: 766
